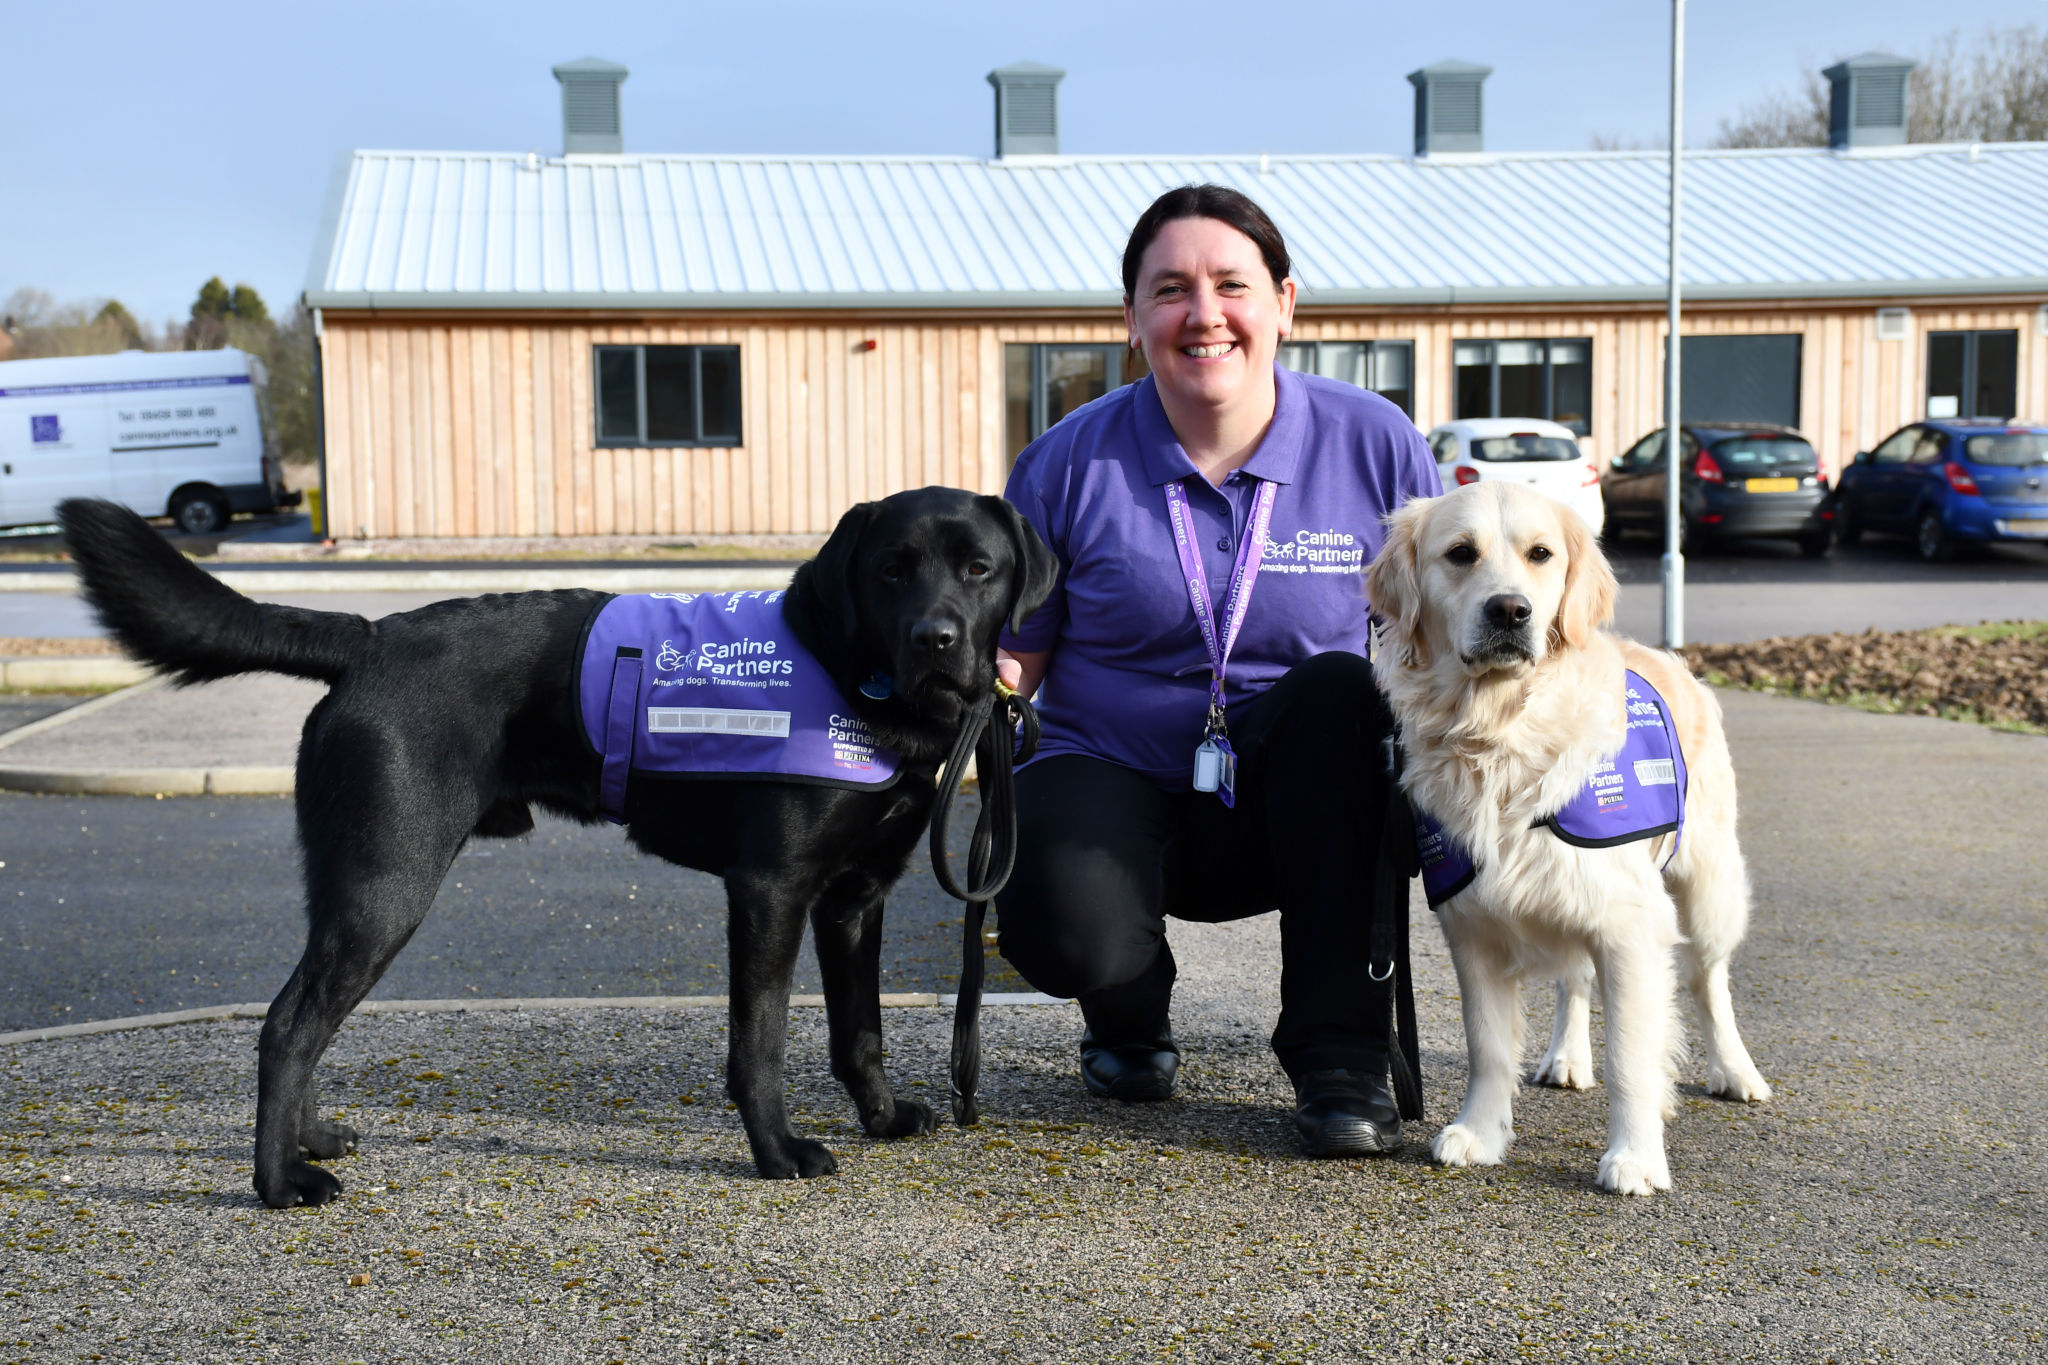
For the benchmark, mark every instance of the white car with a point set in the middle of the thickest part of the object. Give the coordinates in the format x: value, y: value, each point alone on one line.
x: 1525, y: 450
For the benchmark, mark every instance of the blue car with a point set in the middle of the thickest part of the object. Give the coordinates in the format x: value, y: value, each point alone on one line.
x: 1944, y: 483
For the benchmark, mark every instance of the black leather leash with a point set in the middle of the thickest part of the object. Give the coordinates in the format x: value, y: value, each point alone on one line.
x: 1388, y: 942
x: 995, y: 760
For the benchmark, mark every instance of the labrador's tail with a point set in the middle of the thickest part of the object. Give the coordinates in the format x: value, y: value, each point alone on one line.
x: 174, y: 616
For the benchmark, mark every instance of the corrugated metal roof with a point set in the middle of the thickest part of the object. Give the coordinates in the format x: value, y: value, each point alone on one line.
x: 481, y: 230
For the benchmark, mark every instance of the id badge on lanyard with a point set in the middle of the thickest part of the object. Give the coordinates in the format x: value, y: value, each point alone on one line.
x: 1215, y: 761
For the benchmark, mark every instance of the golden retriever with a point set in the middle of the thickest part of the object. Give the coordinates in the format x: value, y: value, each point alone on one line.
x: 1509, y: 695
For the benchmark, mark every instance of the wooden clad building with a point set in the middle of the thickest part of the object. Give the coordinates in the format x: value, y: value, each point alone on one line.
x: 604, y: 344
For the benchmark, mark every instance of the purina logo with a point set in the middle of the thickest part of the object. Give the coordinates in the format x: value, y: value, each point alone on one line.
x: 42, y: 429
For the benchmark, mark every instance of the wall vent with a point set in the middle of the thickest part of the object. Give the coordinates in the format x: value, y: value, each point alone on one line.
x: 1449, y: 116
x: 1894, y: 324
x: 1867, y: 101
x: 1027, y: 109
x: 592, y: 122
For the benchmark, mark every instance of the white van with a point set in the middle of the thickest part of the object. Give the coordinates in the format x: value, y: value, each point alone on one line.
x: 169, y: 433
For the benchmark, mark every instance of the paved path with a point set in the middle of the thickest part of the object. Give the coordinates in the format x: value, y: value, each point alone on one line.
x: 112, y: 906
x: 1755, y: 589
x: 567, y: 1186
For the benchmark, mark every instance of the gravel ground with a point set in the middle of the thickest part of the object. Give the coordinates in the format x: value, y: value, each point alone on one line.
x: 569, y: 1186
x: 1996, y: 674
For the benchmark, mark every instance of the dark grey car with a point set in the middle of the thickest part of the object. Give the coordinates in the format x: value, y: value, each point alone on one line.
x: 1735, y: 480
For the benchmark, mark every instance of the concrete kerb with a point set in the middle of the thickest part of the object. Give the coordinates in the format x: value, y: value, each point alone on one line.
x: 273, y: 780
x: 59, y: 673
x: 255, y: 781
x: 500, y: 1005
x: 324, y: 578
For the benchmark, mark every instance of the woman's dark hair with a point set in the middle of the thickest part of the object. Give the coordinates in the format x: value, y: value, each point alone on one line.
x: 1220, y: 202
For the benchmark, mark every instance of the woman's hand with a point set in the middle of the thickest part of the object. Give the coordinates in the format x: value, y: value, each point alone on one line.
x: 1022, y: 673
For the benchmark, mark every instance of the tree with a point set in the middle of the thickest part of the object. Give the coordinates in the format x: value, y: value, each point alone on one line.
x: 117, y: 318
x: 294, y: 406
x: 246, y: 304
x: 1994, y: 92
x: 44, y: 327
x: 1781, y: 119
x: 214, y: 300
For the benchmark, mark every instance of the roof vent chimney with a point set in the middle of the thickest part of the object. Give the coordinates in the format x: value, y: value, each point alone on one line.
x: 1867, y: 101
x: 1447, y: 107
x: 590, y: 106
x: 1027, y: 109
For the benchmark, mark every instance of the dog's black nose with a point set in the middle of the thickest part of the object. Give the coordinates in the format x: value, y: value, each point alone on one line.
x: 933, y: 637
x: 1507, y: 609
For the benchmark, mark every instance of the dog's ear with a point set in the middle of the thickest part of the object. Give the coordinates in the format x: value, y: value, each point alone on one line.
x: 831, y: 572
x: 1589, y: 586
x: 1038, y: 569
x: 1393, y: 585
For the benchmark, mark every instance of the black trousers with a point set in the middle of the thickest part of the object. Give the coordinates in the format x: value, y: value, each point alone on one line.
x: 1104, y: 857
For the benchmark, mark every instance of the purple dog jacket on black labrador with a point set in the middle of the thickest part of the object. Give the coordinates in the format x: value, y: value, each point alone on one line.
x: 715, y: 685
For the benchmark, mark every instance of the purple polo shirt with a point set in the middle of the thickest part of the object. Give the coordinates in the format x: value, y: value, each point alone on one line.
x: 1129, y: 677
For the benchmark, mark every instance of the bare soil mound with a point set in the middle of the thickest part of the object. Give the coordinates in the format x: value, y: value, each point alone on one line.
x: 1995, y: 674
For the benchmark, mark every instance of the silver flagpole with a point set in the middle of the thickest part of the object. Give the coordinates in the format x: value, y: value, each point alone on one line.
x: 1674, y: 559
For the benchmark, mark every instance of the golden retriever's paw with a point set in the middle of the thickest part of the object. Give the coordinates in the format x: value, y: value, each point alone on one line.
x: 1566, y: 1073
x: 1458, y: 1145
x: 1626, y: 1172
x: 1742, y: 1084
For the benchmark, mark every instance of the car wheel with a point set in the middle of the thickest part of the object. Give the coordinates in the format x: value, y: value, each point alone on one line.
x: 1816, y: 544
x: 201, y: 512
x: 1848, y: 528
x: 1935, y: 544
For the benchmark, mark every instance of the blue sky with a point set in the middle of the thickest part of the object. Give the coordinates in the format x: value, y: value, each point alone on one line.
x: 148, y: 146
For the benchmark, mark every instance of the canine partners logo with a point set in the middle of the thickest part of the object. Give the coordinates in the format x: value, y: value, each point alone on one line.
x: 1305, y: 552
x: 668, y: 659
x: 45, y: 429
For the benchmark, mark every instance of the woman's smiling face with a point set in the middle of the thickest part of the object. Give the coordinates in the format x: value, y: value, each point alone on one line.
x: 1208, y: 314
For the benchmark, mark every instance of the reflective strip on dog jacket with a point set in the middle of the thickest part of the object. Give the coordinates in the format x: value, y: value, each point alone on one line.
x: 715, y: 685
x: 1638, y: 794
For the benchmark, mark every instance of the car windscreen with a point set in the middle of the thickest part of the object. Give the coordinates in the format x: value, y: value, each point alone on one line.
x: 1756, y: 454
x: 2018, y: 448
x: 1523, y: 446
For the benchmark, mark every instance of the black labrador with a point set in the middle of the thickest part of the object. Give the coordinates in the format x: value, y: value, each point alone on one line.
x: 456, y: 719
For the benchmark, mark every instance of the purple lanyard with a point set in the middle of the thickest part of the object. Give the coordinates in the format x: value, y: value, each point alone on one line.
x: 1251, y: 551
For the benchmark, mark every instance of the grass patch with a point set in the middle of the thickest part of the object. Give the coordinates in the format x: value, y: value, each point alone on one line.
x: 1996, y: 630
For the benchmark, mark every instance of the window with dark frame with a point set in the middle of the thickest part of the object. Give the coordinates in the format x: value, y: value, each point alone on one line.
x: 1043, y: 382
x: 1386, y: 368
x: 1519, y: 377
x: 1972, y: 374
x: 668, y: 395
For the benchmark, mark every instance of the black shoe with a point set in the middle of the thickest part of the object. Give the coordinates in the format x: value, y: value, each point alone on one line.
x: 1132, y: 1072
x: 1346, y: 1113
